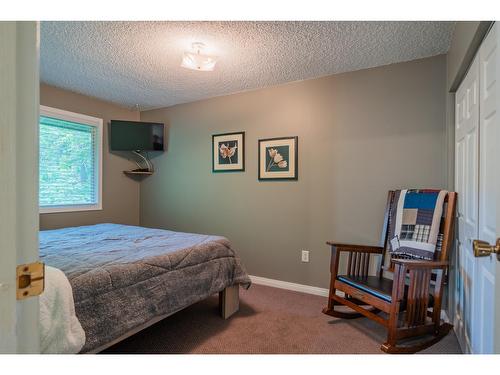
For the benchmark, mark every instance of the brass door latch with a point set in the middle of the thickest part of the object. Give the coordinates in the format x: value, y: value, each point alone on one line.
x: 484, y: 249
x: 30, y: 280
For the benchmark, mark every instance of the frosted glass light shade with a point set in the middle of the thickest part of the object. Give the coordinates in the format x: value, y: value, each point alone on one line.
x: 197, y: 61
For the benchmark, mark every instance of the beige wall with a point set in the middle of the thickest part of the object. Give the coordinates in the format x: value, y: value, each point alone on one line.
x: 120, y: 193
x: 360, y: 134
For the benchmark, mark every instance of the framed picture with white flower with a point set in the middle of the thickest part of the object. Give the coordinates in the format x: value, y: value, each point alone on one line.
x: 228, y: 152
x: 278, y: 158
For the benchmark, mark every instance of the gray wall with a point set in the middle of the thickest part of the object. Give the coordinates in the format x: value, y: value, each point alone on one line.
x: 360, y: 134
x: 120, y: 193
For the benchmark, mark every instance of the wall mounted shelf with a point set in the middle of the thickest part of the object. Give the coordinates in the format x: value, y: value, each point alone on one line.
x: 146, y: 168
x: 138, y: 173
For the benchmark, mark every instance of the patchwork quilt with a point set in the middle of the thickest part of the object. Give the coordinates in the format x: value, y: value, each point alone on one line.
x: 416, y: 220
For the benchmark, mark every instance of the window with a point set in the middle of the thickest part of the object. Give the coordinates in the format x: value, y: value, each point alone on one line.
x: 70, y: 161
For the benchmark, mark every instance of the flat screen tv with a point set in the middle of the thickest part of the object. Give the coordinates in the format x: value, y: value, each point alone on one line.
x: 136, y: 136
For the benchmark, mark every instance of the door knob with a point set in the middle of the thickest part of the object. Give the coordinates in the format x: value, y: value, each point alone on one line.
x: 484, y: 249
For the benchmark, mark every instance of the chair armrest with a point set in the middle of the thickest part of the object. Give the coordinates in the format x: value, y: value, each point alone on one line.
x: 356, y: 248
x: 412, y: 263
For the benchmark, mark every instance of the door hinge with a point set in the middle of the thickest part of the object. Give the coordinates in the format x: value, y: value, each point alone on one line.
x: 30, y: 280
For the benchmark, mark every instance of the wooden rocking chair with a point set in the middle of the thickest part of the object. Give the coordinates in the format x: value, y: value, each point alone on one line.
x: 411, y: 300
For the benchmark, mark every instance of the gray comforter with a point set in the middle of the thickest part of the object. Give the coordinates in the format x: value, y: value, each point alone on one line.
x: 123, y: 276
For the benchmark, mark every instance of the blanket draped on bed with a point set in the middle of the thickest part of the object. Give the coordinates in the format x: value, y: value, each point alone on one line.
x: 60, y: 330
x: 123, y: 276
x: 416, y: 219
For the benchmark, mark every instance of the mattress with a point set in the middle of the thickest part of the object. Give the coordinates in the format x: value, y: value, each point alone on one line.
x: 123, y: 276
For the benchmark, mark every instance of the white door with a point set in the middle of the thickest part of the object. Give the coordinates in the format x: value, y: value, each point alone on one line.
x: 466, y: 185
x: 489, y: 164
x: 19, y: 85
x: 477, y: 162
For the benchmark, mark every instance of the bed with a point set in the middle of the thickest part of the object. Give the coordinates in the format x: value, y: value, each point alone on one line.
x: 125, y: 278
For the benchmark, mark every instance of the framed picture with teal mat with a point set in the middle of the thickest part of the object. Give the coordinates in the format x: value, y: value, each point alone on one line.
x: 228, y: 152
x: 278, y: 158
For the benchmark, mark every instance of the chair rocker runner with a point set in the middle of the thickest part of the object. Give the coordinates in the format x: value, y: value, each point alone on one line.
x: 411, y: 299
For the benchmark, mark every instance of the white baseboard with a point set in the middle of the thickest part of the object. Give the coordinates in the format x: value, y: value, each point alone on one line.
x: 289, y: 286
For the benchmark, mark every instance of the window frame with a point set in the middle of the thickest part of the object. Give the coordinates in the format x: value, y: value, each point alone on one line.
x: 85, y: 120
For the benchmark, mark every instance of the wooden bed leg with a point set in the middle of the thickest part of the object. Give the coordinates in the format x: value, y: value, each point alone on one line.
x: 229, y: 301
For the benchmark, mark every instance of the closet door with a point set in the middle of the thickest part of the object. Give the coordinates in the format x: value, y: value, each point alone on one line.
x: 477, y: 181
x: 489, y: 167
x: 466, y: 184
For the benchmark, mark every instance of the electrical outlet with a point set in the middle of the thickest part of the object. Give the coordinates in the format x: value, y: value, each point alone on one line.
x: 305, y: 256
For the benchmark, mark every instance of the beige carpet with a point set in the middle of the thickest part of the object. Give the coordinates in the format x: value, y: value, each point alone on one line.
x: 270, y: 320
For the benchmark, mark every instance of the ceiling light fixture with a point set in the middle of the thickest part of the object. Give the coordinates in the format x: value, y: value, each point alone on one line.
x: 195, y: 60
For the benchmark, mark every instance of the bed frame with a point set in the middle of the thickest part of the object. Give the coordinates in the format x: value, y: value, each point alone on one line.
x: 229, y: 304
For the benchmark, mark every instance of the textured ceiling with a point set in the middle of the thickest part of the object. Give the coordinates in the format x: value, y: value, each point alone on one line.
x: 139, y: 62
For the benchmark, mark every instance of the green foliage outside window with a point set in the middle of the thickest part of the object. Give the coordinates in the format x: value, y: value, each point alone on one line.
x: 67, y: 163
